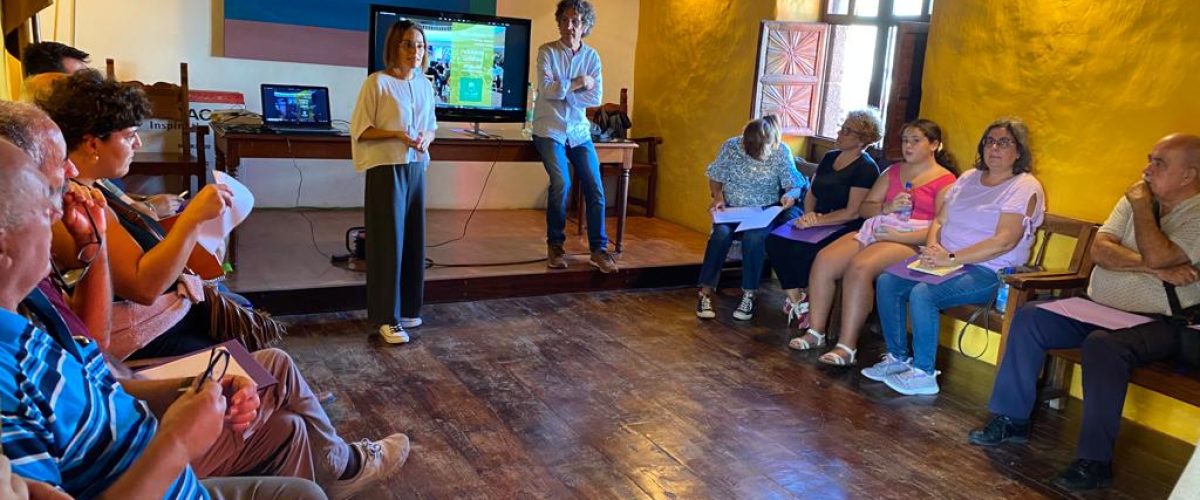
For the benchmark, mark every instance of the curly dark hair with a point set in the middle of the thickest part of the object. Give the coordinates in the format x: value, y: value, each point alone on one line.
x: 86, y: 103
x: 46, y: 57
x: 583, y: 8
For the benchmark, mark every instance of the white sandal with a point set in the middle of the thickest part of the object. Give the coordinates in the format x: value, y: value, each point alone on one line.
x: 832, y: 358
x: 800, y: 344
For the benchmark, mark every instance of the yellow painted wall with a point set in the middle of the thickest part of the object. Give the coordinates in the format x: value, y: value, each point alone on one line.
x: 1098, y: 82
x: 695, y: 70
x: 694, y: 78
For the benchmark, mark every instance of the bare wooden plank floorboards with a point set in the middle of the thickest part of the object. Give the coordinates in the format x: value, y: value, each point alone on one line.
x: 290, y: 249
x: 627, y: 395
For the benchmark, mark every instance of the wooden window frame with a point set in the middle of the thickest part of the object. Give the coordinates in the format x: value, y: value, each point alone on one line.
x: 886, y: 23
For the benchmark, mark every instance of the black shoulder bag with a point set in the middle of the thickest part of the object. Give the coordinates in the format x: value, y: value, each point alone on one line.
x: 1189, y: 340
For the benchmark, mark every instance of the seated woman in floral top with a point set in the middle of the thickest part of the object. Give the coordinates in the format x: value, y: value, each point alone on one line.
x: 753, y: 170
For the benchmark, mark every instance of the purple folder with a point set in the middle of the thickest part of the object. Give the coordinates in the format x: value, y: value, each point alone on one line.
x: 1081, y: 309
x: 808, y: 235
x: 901, y: 269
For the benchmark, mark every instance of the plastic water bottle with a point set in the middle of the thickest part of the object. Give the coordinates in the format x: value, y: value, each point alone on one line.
x: 532, y: 93
x: 906, y: 211
x: 1002, y: 292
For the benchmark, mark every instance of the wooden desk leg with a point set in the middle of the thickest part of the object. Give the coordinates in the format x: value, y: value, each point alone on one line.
x: 623, y: 198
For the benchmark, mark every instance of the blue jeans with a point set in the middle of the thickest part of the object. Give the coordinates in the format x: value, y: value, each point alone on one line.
x: 976, y: 286
x: 754, y: 251
x: 559, y: 161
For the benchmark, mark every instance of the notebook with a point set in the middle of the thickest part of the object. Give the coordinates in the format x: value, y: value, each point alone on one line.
x: 241, y: 363
x: 296, y: 109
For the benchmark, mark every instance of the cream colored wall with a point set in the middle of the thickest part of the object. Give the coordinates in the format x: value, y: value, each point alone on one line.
x: 149, y: 39
x: 1098, y: 84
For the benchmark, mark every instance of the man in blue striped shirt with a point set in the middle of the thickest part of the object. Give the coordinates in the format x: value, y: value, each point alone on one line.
x: 66, y: 420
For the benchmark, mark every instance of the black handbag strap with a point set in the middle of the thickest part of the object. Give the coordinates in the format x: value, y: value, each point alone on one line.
x: 1172, y: 295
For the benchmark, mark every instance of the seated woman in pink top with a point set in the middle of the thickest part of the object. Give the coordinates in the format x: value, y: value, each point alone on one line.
x: 986, y: 223
x: 898, y: 210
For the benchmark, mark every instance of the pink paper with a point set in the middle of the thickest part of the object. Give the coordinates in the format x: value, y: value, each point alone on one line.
x: 1081, y: 309
x: 809, y: 235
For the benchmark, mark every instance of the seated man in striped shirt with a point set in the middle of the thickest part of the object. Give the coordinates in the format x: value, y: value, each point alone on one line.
x: 66, y: 420
x: 287, y: 434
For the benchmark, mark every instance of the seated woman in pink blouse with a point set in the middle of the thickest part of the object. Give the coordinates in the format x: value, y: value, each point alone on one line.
x: 898, y: 209
x: 986, y: 223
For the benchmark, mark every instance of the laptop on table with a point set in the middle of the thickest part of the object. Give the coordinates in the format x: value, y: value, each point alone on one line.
x: 297, y: 109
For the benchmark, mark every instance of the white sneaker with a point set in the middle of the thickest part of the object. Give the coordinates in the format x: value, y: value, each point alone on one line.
x: 410, y: 322
x: 888, y: 365
x: 380, y: 459
x: 704, y: 308
x: 745, y: 310
x: 393, y: 334
x: 913, y: 382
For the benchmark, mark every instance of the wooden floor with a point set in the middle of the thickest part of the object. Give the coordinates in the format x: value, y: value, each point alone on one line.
x: 283, y: 257
x: 627, y: 395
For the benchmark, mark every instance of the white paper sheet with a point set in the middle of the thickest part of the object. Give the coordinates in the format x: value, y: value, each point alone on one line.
x: 213, y: 232
x: 760, y: 220
x: 734, y: 214
x: 191, y: 366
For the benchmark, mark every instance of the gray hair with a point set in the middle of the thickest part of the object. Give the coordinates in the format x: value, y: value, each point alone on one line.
x: 20, y: 123
x: 865, y: 124
x: 20, y: 185
x: 583, y: 8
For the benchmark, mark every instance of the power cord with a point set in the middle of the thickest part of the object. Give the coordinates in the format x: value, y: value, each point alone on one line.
x: 312, y: 231
x: 430, y: 263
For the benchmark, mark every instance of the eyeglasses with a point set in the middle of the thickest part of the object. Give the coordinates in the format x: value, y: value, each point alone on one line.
x: 412, y: 46
x: 1004, y: 143
x: 218, y: 363
x: 67, y: 280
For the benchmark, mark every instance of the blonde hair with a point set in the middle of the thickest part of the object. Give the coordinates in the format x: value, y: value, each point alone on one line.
x: 391, y: 44
x: 36, y: 88
x: 865, y: 124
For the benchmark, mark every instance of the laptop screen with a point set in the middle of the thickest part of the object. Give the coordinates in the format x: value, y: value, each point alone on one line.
x: 296, y: 106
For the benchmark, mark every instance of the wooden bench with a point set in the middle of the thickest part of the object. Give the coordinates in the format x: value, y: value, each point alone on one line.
x: 1024, y: 287
x: 1161, y: 377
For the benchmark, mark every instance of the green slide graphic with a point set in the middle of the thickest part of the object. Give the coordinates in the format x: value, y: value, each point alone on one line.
x: 471, y: 56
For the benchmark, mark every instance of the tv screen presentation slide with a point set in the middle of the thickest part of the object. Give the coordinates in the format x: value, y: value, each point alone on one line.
x: 478, y: 64
x: 466, y: 63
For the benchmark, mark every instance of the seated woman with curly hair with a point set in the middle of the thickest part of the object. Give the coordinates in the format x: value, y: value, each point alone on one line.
x: 99, y: 119
x: 839, y: 186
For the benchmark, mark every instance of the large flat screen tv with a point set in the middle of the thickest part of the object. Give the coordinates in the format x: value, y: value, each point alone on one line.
x: 479, y: 64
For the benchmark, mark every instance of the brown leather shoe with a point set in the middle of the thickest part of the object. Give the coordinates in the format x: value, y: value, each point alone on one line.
x: 603, y: 261
x: 555, y: 257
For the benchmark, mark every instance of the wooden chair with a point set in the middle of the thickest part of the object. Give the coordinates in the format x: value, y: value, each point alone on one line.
x: 645, y: 164
x: 1024, y: 287
x: 169, y: 101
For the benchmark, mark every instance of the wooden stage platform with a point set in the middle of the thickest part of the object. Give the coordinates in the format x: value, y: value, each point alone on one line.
x: 284, y: 258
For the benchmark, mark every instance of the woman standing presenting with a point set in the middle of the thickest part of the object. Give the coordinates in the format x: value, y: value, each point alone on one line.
x: 390, y: 132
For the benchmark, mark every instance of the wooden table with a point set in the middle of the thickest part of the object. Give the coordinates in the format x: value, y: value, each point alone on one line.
x: 231, y: 147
